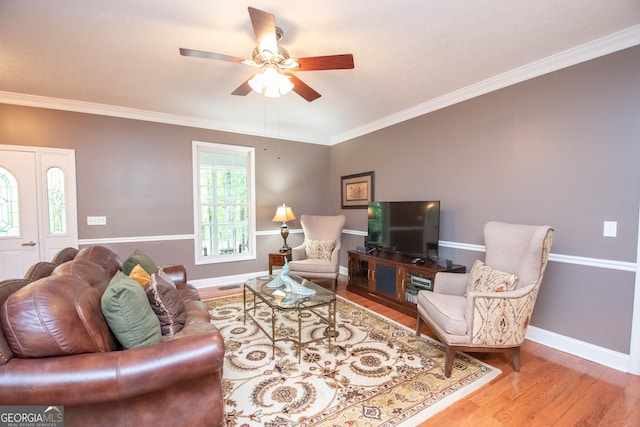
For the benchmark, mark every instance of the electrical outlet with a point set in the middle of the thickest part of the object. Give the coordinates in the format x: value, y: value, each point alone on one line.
x: 96, y: 220
x: 610, y: 229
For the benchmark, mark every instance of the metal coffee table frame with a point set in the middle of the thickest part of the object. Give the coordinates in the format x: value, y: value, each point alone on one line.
x: 262, y: 295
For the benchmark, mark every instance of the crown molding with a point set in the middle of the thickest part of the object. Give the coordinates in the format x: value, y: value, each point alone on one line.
x: 609, y: 44
x: 36, y: 101
x: 595, y: 49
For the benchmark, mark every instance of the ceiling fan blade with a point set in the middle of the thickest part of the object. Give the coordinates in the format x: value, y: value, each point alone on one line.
x: 303, y: 89
x: 264, y: 28
x: 209, y: 55
x: 329, y: 62
x: 244, y: 89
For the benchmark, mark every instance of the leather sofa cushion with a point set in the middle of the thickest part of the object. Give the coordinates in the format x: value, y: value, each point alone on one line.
x: 84, y: 269
x: 55, y: 316
x: 39, y: 270
x: 102, y: 256
x: 64, y: 255
x: 7, y: 287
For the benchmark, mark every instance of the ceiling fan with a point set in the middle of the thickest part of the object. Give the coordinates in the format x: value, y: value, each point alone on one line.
x: 274, y: 61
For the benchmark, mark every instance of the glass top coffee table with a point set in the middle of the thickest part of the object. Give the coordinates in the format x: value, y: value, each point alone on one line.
x: 257, y: 295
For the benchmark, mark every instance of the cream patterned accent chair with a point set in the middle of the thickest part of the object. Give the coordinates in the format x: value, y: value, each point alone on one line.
x: 318, y: 257
x: 489, y: 308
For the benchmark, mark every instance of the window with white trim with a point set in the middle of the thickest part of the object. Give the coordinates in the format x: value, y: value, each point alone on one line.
x: 224, y: 202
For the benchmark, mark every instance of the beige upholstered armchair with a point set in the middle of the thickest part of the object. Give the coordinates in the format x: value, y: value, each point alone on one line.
x: 319, y: 256
x: 489, y: 308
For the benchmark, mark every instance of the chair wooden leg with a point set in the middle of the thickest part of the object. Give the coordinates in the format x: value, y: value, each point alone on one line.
x: 448, y: 364
x: 418, y: 326
x: 516, y: 359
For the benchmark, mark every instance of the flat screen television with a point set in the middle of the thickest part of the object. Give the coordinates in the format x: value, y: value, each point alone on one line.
x: 408, y: 228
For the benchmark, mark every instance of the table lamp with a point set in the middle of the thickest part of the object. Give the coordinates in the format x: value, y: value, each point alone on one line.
x: 284, y: 214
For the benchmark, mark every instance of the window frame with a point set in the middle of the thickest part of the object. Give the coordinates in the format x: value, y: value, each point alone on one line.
x: 199, y: 147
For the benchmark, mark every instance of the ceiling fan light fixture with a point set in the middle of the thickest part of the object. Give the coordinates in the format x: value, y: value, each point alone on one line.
x: 276, y: 77
x: 271, y: 83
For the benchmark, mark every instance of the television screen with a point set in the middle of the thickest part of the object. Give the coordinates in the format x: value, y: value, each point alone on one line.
x: 408, y: 228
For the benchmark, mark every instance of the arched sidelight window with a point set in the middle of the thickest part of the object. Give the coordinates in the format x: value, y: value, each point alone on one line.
x: 9, y: 206
x: 56, y: 201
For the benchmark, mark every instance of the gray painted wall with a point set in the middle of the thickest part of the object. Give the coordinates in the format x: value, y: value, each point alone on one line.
x: 561, y: 150
x: 138, y: 174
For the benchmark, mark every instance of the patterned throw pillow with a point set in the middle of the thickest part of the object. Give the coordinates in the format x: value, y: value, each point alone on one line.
x: 166, y: 277
x: 486, y: 279
x: 319, y: 249
x: 166, y: 302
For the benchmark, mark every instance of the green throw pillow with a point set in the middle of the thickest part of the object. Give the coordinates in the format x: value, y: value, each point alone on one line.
x: 139, y: 257
x: 126, y: 307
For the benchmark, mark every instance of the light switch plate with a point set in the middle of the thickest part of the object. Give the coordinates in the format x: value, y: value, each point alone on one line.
x: 610, y: 229
x: 96, y: 220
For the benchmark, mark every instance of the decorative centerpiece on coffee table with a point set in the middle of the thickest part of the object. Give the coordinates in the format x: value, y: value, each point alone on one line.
x: 290, y: 285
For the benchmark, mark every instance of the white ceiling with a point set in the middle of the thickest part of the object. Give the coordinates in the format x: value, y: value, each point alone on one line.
x: 120, y: 57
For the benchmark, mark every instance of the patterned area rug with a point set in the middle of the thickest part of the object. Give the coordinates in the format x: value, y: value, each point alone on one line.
x: 378, y: 373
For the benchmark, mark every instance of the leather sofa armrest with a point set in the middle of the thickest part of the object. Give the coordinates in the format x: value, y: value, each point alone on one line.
x: 102, y: 377
x: 178, y: 273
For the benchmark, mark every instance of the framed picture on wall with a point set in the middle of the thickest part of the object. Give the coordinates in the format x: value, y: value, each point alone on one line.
x: 356, y: 190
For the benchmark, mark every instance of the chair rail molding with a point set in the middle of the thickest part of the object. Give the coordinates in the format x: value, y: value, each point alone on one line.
x: 627, y: 363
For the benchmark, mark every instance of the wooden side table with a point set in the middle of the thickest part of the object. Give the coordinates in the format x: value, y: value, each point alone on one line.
x: 276, y: 259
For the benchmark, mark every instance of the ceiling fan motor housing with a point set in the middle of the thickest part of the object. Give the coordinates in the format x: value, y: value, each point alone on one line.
x: 266, y: 57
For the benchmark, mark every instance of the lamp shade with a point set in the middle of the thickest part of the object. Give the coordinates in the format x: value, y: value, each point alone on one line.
x: 271, y: 83
x: 284, y: 213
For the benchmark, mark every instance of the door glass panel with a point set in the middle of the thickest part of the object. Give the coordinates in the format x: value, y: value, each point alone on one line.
x: 56, y: 201
x: 9, y: 215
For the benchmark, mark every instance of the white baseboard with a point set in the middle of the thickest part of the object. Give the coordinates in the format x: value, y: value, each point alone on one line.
x: 344, y: 271
x: 603, y: 356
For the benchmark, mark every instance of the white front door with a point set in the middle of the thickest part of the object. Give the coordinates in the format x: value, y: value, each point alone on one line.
x: 19, y: 236
x: 38, y: 207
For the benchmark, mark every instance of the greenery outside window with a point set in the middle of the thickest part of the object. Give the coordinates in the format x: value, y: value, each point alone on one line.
x: 224, y: 202
x: 56, y: 201
x: 9, y: 204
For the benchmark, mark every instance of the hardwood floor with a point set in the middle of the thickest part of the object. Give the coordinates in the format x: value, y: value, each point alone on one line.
x: 552, y: 388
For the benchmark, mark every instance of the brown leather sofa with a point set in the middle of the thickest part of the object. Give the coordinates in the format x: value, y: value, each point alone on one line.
x: 175, y: 382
